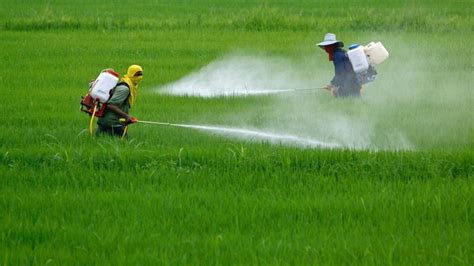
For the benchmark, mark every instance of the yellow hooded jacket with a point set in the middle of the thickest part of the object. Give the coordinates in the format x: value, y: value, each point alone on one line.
x: 132, y: 78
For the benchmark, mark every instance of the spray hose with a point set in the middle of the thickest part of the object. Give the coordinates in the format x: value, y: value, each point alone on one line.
x: 92, y: 118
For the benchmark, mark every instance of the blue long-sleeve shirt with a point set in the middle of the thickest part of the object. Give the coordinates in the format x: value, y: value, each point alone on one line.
x: 344, y: 78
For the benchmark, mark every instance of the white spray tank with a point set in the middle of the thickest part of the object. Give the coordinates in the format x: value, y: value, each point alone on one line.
x: 358, y: 58
x: 376, y: 53
x: 105, y: 82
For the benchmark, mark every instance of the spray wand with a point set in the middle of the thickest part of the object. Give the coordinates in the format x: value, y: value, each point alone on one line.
x: 283, y: 90
x: 134, y: 120
x: 307, y: 89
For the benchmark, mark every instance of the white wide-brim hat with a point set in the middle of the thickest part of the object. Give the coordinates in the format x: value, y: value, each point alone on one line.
x: 329, y: 38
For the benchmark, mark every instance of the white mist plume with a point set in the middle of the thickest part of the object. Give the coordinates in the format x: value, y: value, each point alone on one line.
x: 274, y: 138
x: 237, y: 75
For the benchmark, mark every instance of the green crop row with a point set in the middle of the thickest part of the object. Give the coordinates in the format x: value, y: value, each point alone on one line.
x: 266, y: 20
x: 305, y: 16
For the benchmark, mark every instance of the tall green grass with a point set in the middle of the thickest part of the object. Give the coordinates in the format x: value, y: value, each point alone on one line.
x: 180, y: 196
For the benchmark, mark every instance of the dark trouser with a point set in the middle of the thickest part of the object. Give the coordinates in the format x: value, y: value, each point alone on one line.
x: 117, y: 131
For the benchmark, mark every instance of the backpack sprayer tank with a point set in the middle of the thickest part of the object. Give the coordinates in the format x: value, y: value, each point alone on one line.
x: 94, y: 103
x: 363, y: 60
x: 102, y: 86
x: 100, y: 90
x: 358, y: 58
x: 376, y: 53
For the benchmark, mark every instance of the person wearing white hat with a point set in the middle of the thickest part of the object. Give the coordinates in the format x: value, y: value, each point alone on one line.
x: 344, y: 82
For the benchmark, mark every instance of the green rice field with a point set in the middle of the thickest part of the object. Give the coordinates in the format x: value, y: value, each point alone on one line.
x: 244, y: 181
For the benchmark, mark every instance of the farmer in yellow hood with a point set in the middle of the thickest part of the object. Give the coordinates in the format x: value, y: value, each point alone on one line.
x: 122, y: 99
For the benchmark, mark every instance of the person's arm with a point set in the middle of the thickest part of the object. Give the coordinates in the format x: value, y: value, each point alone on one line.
x: 117, y: 110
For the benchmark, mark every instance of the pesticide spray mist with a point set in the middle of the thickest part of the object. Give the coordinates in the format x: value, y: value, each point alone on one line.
x: 372, y: 122
x: 253, y: 135
x: 244, y: 74
x: 308, y: 119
